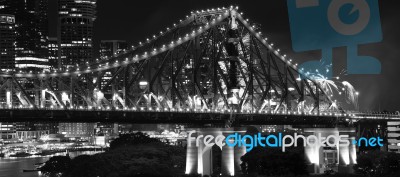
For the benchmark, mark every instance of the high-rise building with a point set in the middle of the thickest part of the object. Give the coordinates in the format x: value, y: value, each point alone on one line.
x: 31, y: 32
x: 110, y: 48
x: 75, y: 31
x: 53, y: 52
x: 7, y: 42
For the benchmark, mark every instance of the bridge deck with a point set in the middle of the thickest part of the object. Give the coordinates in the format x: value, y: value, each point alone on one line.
x: 161, y: 117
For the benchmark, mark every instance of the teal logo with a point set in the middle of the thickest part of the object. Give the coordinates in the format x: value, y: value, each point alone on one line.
x: 326, y: 24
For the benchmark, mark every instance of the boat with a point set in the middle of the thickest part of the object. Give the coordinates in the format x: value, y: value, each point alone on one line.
x: 39, y: 165
x: 21, y: 154
x: 24, y: 170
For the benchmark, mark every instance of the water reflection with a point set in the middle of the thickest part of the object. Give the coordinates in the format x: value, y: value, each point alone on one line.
x: 14, y: 166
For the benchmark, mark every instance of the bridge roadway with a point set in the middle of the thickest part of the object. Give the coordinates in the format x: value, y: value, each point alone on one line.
x: 187, y: 116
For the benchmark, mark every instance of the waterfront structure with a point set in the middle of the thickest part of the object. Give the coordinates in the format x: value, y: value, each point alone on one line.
x: 77, y: 130
x: 7, y: 132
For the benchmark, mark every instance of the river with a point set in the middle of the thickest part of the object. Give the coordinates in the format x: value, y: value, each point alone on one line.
x: 12, y: 167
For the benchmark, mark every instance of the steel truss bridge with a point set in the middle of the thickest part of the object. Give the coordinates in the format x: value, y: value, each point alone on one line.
x: 211, y: 67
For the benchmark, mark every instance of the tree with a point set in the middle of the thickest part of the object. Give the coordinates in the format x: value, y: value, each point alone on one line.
x: 132, y: 139
x: 378, y: 163
x: 272, y: 161
x: 132, y: 155
x: 56, y: 165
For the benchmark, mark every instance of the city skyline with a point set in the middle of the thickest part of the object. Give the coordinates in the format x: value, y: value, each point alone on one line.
x: 202, y: 88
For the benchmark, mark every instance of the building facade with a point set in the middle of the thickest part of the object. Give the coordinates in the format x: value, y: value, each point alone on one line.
x: 53, y: 52
x: 7, y: 42
x: 7, y: 131
x: 111, y: 48
x: 31, y: 27
x: 393, y: 137
x: 75, y: 31
x: 75, y: 130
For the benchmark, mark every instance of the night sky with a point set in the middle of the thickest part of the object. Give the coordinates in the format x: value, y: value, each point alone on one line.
x: 134, y: 21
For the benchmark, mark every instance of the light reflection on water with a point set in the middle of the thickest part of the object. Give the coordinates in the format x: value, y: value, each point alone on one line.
x: 12, y: 167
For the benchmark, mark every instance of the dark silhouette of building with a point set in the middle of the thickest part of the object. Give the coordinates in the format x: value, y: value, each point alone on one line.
x: 75, y: 31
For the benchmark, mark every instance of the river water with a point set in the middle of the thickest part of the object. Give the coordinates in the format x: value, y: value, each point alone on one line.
x: 12, y: 167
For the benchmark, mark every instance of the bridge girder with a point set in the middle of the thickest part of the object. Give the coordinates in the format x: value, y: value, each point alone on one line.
x: 186, y: 67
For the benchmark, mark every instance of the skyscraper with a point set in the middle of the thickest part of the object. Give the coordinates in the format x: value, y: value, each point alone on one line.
x: 53, y: 52
x: 7, y: 42
x: 31, y: 32
x: 110, y: 48
x: 75, y: 32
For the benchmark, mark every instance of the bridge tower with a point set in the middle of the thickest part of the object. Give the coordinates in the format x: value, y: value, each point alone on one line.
x: 199, y: 158
x: 338, y: 158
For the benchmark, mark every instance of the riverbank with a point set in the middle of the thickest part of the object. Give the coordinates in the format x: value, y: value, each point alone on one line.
x: 14, y: 166
x: 45, y: 153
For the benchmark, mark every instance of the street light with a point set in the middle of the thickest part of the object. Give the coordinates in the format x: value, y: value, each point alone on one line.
x: 143, y: 84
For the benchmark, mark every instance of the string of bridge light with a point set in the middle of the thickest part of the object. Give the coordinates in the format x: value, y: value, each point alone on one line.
x: 181, y: 110
x: 358, y: 115
x: 146, y: 55
x: 78, y: 70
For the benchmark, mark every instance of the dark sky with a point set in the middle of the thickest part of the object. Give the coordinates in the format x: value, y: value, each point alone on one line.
x: 134, y: 21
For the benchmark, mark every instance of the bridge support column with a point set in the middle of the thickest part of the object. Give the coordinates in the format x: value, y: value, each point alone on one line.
x: 205, y: 159
x: 228, y: 159
x: 347, y: 154
x: 43, y: 99
x: 322, y: 158
x: 191, y: 156
x: 239, y: 152
x: 200, y: 158
x: 9, y: 98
